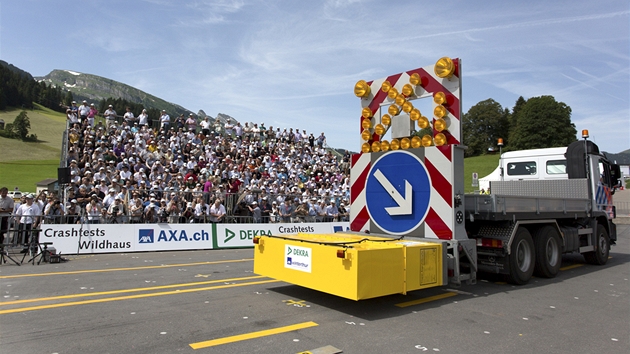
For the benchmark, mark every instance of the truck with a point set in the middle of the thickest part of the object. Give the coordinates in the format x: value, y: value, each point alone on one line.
x: 411, y: 224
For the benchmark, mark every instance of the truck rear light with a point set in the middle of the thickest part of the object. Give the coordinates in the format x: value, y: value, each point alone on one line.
x: 489, y: 242
x: 256, y: 240
x: 341, y: 253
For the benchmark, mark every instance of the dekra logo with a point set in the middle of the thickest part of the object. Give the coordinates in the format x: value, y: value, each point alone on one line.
x: 244, y: 234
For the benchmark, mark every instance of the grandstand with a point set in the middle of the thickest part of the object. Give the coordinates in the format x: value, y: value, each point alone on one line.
x: 124, y: 171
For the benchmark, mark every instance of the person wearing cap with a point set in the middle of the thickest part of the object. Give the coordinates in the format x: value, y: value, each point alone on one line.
x: 91, y: 115
x: 205, y: 126
x: 229, y: 128
x: 136, y: 209
x: 71, y: 117
x: 53, y: 211
x: 165, y: 120
x: 84, y: 110
x: 143, y: 118
x: 72, y: 211
x: 117, y: 211
x: 129, y: 117
x: 28, y: 217
x: 301, y: 212
x: 255, y: 132
x: 109, y: 198
x: 73, y: 107
x: 332, y: 212
x: 110, y: 116
x: 265, y: 209
x: 286, y: 211
x: 6, y: 208
x: 191, y: 122
x: 273, y: 213
x: 256, y: 212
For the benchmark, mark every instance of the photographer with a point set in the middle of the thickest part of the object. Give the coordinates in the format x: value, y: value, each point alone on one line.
x: 93, y: 210
x: 72, y: 212
x: 151, y: 211
x: 116, y: 211
x: 53, y: 212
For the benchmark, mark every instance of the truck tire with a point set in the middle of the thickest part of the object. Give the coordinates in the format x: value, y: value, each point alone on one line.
x: 548, y: 252
x: 600, y: 255
x: 522, y: 258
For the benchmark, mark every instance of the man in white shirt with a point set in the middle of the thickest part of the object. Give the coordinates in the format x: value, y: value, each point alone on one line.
x: 129, y: 117
x: 165, y: 120
x: 6, y: 208
x: 143, y: 118
x: 217, y: 212
x: 229, y: 128
x: 205, y: 126
x: 28, y: 216
x: 84, y: 110
x: 110, y: 116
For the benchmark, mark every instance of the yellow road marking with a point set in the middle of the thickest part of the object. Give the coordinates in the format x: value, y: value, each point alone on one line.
x: 264, y: 333
x: 123, y: 269
x: 122, y: 291
x: 129, y: 297
x: 571, y: 266
x: 426, y: 299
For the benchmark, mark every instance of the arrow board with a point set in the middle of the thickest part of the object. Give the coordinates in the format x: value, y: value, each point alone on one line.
x: 398, y: 192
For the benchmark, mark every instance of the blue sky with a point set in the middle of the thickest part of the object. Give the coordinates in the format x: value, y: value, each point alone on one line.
x: 293, y: 64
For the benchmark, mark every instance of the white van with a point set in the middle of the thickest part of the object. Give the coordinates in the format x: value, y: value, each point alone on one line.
x: 531, y: 164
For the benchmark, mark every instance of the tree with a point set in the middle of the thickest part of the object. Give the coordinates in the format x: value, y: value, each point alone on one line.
x: 520, y: 102
x: 21, y: 125
x: 483, y: 124
x: 68, y: 98
x: 542, y: 123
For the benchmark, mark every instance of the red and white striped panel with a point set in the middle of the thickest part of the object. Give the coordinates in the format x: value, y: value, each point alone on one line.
x: 439, y: 222
x: 359, y: 217
x: 440, y: 219
x: 430, y: 84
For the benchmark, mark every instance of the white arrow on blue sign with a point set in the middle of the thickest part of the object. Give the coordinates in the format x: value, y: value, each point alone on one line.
x: 398, y: 192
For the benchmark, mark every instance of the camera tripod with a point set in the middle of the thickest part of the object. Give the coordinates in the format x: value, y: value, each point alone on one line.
x: 4, y: 255
x: 38, y: 251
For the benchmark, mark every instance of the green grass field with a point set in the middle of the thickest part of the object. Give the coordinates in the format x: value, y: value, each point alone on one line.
x: 483, y: 165
x: 25, y: 164
x: 26, y: 174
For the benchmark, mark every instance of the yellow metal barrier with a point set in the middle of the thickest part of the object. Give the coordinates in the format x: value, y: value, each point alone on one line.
x: 350, y: 265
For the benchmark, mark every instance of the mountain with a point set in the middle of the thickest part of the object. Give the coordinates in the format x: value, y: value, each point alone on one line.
x: 16, y: 70
x: 93, y: 88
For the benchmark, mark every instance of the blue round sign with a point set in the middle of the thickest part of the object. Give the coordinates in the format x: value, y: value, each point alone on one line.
x: 398, y: 192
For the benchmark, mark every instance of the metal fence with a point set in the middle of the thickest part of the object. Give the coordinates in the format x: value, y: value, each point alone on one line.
x: 623, y: 208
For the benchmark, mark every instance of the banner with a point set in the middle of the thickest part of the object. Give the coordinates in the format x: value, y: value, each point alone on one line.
x: 120, y: 238
x: 242, y: 235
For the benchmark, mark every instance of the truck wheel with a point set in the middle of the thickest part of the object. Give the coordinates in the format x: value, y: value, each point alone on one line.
x: 522, y: 257
x: 600, y: 255
x: 548, y: 252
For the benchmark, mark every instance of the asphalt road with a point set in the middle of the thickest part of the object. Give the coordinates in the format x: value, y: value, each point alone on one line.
x: 172, y: 302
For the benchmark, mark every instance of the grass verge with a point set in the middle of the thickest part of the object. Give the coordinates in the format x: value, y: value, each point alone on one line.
x: 26, y: 174
x: 483, y: 165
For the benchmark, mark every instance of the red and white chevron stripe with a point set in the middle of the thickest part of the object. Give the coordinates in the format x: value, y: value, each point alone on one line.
x: 439, y: 160
x: 359, y: 217
x: 439, y: 222
x: 430, y: 84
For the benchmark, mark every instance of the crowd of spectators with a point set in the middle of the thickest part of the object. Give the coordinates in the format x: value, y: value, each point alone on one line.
x: 123, y: 169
